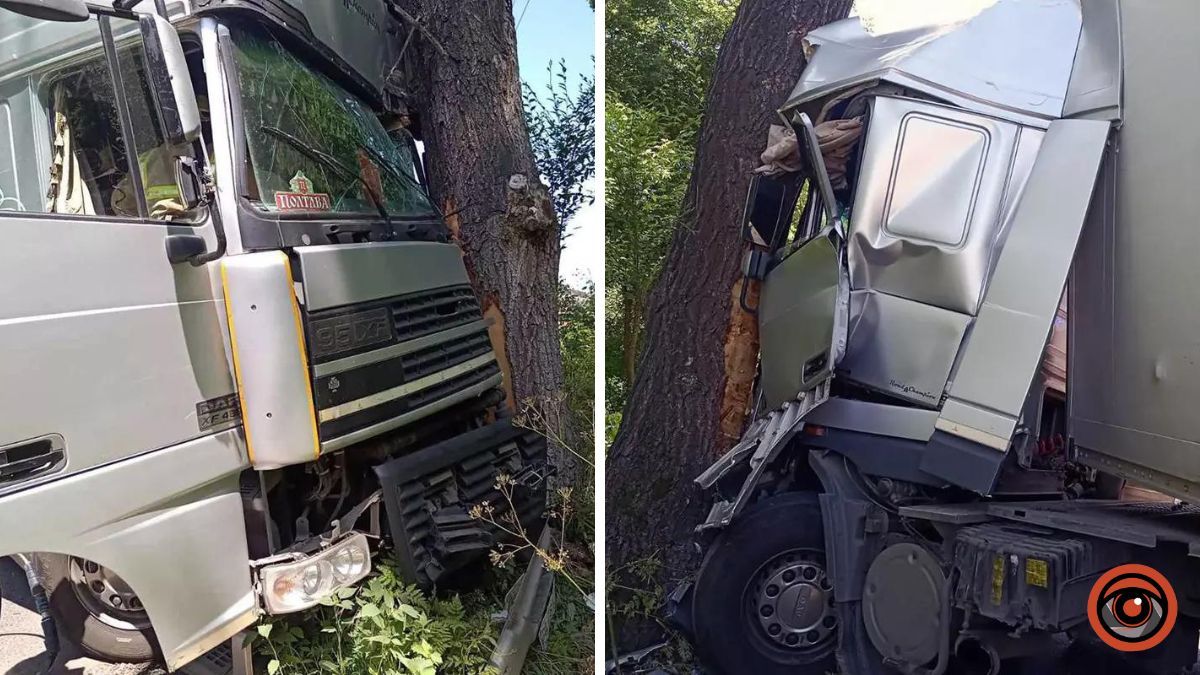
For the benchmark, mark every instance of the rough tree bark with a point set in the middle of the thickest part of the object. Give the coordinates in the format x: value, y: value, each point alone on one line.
x: 483, y: 173
x: 689, y: 399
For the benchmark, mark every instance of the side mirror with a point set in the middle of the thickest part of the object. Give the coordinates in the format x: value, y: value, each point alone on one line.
x: 189, y: 182
x: 769, y: 206
x: 48, y: 10
x: 170, y: 83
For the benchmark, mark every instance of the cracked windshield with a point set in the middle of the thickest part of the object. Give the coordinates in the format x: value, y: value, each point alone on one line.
x: 314, y: 146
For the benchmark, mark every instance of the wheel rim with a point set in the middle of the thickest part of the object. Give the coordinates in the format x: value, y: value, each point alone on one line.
x: 106, y: 596
x: 790, y: 602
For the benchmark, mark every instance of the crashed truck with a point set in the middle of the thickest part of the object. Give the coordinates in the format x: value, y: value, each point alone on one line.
x: 241, y: 353
x: 978, y: 331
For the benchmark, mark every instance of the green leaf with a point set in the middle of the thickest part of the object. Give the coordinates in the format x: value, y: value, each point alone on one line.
x: 369, y: 610
x: 265, y: 630
x: 410, y: 611
x: 273, y: 667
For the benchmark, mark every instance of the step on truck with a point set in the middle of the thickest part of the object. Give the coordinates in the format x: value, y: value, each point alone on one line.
x: 241, y: 353
x: 976, y: 404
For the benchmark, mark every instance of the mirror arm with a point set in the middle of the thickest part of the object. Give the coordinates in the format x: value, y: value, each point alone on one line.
x: 218, y: 229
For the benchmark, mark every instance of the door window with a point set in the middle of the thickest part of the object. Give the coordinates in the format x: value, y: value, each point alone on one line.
x: 88, y: 140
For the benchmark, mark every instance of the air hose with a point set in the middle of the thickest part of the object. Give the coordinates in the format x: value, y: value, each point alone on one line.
x: 42, y: 604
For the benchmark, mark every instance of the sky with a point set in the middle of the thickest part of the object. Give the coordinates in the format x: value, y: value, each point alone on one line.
x: 564, y: 29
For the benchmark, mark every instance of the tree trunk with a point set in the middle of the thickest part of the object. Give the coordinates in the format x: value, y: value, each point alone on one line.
x: 689, y: 399
x: 482, y: 171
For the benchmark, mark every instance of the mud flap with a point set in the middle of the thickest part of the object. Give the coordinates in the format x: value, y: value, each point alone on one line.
x: 429, y: 495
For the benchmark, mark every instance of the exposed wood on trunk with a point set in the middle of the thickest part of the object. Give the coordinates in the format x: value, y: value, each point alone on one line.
x: 489, y: 306
x: 675, y: 424
x: 741, y: 362
x: 496, y: 332
x: 473, y: 127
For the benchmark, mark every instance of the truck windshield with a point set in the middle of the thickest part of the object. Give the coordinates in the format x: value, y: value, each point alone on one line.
x: 313, y: 146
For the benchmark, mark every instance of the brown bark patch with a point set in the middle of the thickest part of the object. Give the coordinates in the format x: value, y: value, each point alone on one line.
x: 495, y: 318
x: 452, y: 220
x: 741, y: 363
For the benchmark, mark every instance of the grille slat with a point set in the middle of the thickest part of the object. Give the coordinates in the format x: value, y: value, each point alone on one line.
x: 418, y: 399
x: 431, y: 311
x: 446, y: 535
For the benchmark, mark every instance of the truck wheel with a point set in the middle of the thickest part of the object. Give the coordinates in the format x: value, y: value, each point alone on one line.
x: 96, y: 610
x: 763, y: 601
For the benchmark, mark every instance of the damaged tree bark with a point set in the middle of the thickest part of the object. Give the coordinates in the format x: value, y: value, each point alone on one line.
x: 482, y: 171
x: 689, y: 399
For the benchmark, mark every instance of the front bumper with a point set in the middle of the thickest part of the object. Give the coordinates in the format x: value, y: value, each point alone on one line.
x: 429, y: 496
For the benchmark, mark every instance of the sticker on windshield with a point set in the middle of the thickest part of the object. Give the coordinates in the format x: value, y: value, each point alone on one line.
x: 302, y: 198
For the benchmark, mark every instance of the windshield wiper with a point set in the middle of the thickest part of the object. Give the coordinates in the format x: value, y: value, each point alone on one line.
x: 331, y: 162
x: 379, y: 159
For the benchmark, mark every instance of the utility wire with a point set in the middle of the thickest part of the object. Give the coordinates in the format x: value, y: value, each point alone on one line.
x: 520, y: 18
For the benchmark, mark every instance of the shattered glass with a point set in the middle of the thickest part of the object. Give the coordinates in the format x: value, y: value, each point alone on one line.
x: 308, y: 136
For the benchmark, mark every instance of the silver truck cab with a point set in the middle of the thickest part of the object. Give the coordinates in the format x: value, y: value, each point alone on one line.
x: 240, y: 348
x: 918, y: 489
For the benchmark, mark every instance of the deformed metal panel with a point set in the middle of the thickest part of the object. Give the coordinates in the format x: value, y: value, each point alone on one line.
x: 1094, y: 90
x: 1008, y: 338
x: 929, y: 210
x: 358, y: 31
x: 1134, y: 370
x: 799, y: 319
x: 901, y: 347
x: 896, y: 421
x: 1012, y: 59
x: 938, y: 168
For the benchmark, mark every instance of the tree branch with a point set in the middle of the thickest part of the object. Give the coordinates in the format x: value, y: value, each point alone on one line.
x: 412, y: 20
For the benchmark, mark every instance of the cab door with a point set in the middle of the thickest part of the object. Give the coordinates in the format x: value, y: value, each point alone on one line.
x: 107, y: 350
x: 805, y: 305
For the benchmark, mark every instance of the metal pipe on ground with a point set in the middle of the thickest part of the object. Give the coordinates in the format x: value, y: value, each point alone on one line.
x: 525, y: 616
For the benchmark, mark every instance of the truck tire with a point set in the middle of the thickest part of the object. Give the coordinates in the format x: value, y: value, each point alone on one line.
x: 75, y: 588
x: 771, y: 558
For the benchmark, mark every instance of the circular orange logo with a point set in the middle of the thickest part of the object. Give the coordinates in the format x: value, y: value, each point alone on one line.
x: 1132, y: 608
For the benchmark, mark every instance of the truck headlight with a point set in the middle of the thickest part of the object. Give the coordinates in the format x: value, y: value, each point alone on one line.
x: 300, y: 584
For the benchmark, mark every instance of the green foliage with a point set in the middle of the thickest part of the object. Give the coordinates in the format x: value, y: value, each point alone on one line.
x: 562, y: 131
x: 577, y: 334
x: 660, y: 56
x: 383, y: 627
x: 569, y: 647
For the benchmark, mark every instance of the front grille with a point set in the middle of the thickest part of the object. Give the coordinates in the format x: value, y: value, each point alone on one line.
x: 342, y: 332
x: 430, y: 493
x: 432, y: 311
x: 405, y: 404
x: 440, y: 357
